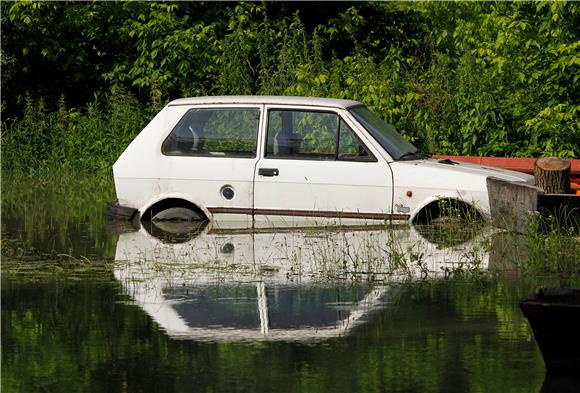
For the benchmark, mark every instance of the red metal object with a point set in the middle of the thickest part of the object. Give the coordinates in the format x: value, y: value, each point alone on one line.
x: 525, y: 165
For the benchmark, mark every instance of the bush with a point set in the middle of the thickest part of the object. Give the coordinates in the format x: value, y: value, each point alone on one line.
x: 481, y: 78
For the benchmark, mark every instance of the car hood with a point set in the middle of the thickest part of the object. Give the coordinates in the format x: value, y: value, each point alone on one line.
x: 453, y: 171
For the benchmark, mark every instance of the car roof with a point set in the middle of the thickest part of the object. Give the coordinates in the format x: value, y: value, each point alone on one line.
x: 274, y: 100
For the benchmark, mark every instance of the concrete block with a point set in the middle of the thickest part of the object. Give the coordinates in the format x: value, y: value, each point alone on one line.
x: 512, y: 203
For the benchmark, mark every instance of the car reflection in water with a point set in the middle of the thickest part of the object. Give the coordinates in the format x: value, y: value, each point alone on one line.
x: 204, y: 282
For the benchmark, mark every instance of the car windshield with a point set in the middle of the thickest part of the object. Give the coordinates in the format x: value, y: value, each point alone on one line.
x: 387, y: 136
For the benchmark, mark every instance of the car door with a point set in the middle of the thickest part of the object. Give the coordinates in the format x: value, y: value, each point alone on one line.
x: 315, y: 169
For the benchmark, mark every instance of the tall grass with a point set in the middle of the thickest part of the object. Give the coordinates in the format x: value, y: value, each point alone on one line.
x: 550, y: 249
x: 55, y: 211
x: 89, y: 138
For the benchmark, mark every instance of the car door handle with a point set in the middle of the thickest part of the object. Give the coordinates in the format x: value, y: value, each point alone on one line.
x: 268, y: 172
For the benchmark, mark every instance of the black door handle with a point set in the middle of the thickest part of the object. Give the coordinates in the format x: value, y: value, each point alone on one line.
x: 268, y: 172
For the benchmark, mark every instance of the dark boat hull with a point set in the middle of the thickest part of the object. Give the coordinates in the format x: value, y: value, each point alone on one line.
x: 554, y: 316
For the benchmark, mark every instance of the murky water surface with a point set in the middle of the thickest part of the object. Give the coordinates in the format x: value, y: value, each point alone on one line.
x: 89, y: 306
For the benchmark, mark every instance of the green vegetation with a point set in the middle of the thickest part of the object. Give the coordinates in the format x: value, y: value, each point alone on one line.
x: 81, y: 79
x: 549, y: 248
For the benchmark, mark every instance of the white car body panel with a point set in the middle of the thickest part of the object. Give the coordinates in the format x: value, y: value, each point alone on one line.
x: 195, y: 179
x: 431, y: 180
x: 322, y: 190
x: 305, y: 192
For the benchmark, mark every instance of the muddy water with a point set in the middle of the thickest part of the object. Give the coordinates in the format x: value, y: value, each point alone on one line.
x: 91, y: 307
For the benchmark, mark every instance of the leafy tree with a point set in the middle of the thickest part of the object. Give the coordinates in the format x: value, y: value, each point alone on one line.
x: 457, y: 78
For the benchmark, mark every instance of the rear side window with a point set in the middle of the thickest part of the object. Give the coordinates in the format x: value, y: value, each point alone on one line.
x: 224, y: 132
x: 312, y: 135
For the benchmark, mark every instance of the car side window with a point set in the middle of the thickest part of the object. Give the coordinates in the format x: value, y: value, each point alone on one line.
x: 220, y: 132
x: 350, y: 147
x: 312, y: 135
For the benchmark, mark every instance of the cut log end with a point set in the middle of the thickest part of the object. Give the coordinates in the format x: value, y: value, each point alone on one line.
x: 553, y: 164
x: 553, y: 175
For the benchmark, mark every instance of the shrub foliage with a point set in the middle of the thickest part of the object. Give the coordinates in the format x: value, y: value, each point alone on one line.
x: 81, y: 79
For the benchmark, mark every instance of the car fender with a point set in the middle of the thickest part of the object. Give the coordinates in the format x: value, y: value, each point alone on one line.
x: 464, y: 197
x: 176, y: 195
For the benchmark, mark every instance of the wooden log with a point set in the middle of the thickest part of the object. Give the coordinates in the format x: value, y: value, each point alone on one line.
x: 552, y: 174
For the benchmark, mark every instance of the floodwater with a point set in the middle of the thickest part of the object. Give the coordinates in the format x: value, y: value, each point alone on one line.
x: 90, y: 306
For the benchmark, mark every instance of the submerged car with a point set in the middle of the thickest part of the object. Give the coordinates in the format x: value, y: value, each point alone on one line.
x: 257, y: 160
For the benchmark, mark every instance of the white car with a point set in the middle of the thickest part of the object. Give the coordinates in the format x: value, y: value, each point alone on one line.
x: 257, y: 160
